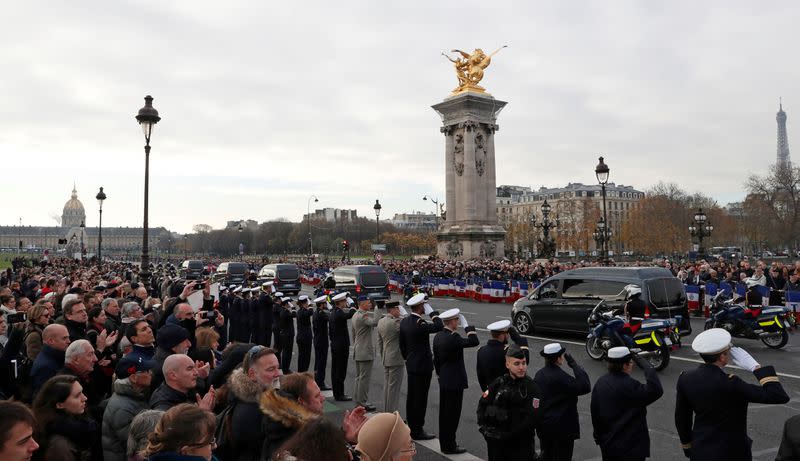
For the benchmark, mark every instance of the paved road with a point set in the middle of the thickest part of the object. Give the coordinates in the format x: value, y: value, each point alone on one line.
x: 765, y: 422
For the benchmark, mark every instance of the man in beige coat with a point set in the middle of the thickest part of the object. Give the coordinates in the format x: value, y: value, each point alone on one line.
x: 392, y: 359
x: 362, y: 324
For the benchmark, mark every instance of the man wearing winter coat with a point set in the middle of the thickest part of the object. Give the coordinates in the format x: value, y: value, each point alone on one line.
x: 129, y: 399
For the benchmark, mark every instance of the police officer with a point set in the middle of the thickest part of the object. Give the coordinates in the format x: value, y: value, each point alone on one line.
x: 635, y: 309
x: 330, y: 282
x: 340, y: 344
x: 276, y: 322
x: 364, y: 321
x: 711, y: 406
x: 508, y: 412
x: 491, y: 361
x: 287, y: 333
x: 320, y: 326
x: 416, y: 349
x: 448, y: 360
x: 304, y: 335
x: 619, y: 407
x: 560, y: 427
x: 263, y: 334
x: 391, y: 358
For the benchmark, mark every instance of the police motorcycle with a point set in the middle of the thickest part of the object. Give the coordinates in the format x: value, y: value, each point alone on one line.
x: 652, y: 339
x: 770, y: 324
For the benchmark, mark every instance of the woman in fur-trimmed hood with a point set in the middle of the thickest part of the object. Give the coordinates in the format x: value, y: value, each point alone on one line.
x: 287, y: 409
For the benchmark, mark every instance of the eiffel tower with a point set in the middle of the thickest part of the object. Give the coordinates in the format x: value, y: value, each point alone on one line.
x: 783, y: 139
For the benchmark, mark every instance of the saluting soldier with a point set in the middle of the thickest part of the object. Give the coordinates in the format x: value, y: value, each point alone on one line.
x: 448, y: 360
x: 340, y: 345
x: 711, y: 406
x: 320, y: 325
x: 304, y: 335
x: 619, y: 407
x: 491, y: 361
x: 276, y: 322
x: 364, y: 321
x: 287, y: 333
x: 263, y: 333
x: 559, y: 424
x: 391, y: 358
x: 416, y: 349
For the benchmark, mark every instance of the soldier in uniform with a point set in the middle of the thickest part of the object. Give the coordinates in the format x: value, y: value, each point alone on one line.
x: 287, y: 333
x: 619, y: 407
x: 391, y: 358
x: 264, y: 331
x: 340, y: 345
x: 416, y: 349
x: 304, y: 336
x: 491, y: 361
x: 236, y: 313
x: 276, y: 322
x: 560, y: 427
x: 448, y: 360
x: 711, y: 406
x: 320, y: 325
x: 364, y: 321
x: 508, y: 412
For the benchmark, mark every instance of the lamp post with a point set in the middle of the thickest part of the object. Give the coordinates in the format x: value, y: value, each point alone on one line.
x: 185, y: 246
x: 100, y: 197
x: 601, y: 235
x: 83, y: 227
x: 700, y: 228
x: 241, y: 247
x: 601, y: 171
x: 435, y: 209
x: 19, y: 234
x: 548, y: 244
x: 377, y: 208
x: 308, y: 217
x: 147, y: 118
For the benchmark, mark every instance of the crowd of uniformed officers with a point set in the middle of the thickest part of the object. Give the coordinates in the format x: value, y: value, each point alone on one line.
x: 711, y: 406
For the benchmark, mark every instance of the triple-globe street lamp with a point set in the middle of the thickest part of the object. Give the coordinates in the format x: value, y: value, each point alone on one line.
x: 700, y: 228
x: 548, y: 243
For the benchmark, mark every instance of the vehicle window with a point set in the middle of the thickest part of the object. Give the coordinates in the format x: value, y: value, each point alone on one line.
x: 603, y: 289
x: 549, y: 290
x: 236, y: 269
x: 288, y: 273
x: 667, y: 292
x: 346, y: 278
x: 374, y: 279
x: 196, y: 265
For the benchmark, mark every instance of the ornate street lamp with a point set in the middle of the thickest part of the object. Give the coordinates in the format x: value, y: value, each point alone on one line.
x: 241, y: 247
x: 147, y: 118
x: 83, y: 250
x: 548, y: 244
x: 308, y: 217
x: 377, y: 208
x: 435, y: 209
x: 602, y: 173
x: 700, y: 228
x: 100, y: 197
x: 601, y: 235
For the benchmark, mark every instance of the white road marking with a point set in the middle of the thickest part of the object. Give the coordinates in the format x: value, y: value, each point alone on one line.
x: 433, y: 445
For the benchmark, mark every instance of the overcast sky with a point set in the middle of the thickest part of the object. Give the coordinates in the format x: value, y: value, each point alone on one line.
x: 266, y: 103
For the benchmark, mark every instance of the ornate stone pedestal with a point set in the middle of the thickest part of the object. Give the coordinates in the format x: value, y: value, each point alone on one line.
x: 471, y: 229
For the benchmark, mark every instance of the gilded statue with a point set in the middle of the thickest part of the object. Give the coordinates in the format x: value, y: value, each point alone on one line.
x: 469, y: 69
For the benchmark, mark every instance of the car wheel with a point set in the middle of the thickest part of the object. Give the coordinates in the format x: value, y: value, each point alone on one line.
x: 523, y: 323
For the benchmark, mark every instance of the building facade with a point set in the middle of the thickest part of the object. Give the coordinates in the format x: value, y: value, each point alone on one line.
x: 415, y: 222
x: 577, y: 208
x: 333, y: 215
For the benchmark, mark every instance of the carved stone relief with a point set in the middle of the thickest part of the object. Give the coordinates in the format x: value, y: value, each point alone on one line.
x: 455, y: 249
x: 480, y: 154
x: 458, y: 153
x: 488, y: 249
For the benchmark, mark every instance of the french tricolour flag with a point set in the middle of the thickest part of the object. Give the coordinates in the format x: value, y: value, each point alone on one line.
x: 444, y: 287
x: 693, y: 297
x: 711, y: 291
x: 460, y: 289
x: 764, y: 295
x: 524, y: 288
x: 793, y: 302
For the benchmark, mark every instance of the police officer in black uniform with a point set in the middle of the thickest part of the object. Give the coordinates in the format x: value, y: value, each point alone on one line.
x: 448, y: 360
x: 508, y: 412
x: 304, y: 335
x: 330, y: 282
x: 491, y: 361
x: 287, y: 333
x: 711, y: 406
x: 560, y: 426
x: 340, y: 345
x: 416, y: 350
x: 619, y: 407
x: 635, y: 308
x: 276, y: 322
x: 320, y: 326
x: 263, y: 334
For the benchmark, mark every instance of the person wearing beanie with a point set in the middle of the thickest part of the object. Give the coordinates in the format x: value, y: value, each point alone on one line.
x: 385, y: 437
x: 170, y: 339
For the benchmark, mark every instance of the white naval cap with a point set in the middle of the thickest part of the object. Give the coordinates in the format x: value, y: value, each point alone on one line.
x: 416, y: 300
x: 321, y: 299
x: 302, y: 298
x: 712, y: 341
x: 552, y: 350
x: 237, y: 289
x: 267, y: 284
x: 231, y: 287
x: 278, y: 294
x: 339, y: 297
x: 222, y: 288
x: 619, y: 354
x: 285, y: 299
x: 500, y: 325
x: 245, y: 289
x: 449, y: 314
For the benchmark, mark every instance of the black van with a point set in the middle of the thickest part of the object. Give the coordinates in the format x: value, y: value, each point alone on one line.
x: 192, y: 269
x: 231, y: 273
x: 563, y: 302
x: 371, y: 281
x: 286, y: 277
